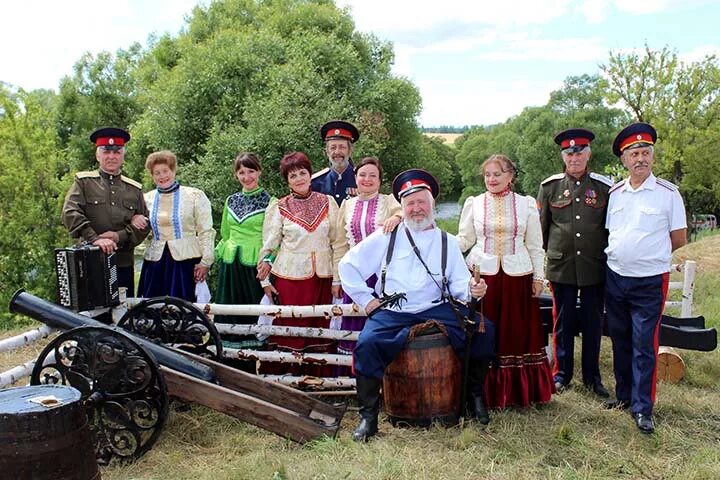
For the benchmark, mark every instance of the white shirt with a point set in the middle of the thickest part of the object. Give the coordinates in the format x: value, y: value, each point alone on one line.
x: 405, y: 273
x: 640, y: 221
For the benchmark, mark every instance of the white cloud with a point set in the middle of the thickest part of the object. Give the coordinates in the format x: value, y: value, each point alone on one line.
x: 698, y: 54
x: 524, y: 48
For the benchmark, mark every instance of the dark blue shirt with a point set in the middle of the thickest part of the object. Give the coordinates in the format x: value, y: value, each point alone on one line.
x: 331, y: 183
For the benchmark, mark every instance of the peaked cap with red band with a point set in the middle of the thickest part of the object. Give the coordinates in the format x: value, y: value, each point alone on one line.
x: 109, y: 137
x: 574, y: 139
x: 413, y: 180
x: 339, y: 129
x: 634, y: 136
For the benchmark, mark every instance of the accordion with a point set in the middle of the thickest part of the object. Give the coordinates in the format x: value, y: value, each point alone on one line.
x: 87, y: 278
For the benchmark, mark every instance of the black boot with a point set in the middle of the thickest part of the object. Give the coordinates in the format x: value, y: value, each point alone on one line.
x: 368, y: 394
x: 476, y: 388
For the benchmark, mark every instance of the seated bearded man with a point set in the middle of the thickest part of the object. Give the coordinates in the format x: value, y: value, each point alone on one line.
x: 414, y: 286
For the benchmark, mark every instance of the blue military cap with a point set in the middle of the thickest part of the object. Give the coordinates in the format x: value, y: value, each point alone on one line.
x: 413, y: 180
x: 339, y: 129
x: 634, y: 136
x: 574, y: 139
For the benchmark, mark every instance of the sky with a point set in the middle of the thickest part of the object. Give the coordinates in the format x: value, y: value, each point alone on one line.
x: 475, y: 62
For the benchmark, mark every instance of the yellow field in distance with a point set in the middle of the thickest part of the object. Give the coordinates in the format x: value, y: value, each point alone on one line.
x: 448, y: 138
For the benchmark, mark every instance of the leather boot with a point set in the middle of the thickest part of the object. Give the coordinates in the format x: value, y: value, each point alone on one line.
x: 476, y: 388
x: 368, y: 394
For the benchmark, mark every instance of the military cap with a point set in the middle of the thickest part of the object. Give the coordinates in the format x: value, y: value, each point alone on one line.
x: 574, y: 139
x: 414, y: 180
x: 634, y: 136
x: 339, y: 129
x: 110, y: 138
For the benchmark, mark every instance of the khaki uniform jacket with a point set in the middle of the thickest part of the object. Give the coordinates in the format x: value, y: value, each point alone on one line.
x: 572, y: 218
x: 99, y: 202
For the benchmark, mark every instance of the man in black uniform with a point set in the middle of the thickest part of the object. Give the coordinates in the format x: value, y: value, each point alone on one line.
x: 101, y: 204
x: 338, y: 180
x: 573, y: 207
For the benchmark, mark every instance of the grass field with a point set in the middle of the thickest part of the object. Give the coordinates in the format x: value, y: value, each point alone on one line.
x: 570, y: 438
x: 448, y: 138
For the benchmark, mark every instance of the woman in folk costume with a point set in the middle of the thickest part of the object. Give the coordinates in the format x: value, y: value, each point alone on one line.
x: 502, y: 231
x: 301, y: 228
x: 360, y: 216
x: 239, y: 247
x: 181, y: 250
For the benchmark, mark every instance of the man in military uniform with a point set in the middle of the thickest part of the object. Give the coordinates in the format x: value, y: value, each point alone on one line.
x: 101, y: 203
x: 573, y: 207
x: 338, y: 180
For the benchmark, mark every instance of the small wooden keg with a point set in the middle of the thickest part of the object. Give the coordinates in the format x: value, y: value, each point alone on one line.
x: 670, y: 365
x: 44, y: 435
x: 422, y: 385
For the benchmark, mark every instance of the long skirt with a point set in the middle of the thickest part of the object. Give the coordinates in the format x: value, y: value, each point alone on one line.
x: 355, y: 324
x: 312, y: 291
x: 167, y: 276
x: 237, y: 285
x: 521, y: 375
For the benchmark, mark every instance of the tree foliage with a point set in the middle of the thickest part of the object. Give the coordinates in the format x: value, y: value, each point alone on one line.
x: 31, y: 194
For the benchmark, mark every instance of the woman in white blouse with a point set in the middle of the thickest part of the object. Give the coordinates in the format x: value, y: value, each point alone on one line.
x: 182, y: 237
x: 360, y: 216
x: 501, y: 230
x: 301, y: 229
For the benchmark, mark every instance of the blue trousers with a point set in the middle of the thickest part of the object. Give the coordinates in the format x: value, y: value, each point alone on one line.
x: 567, y: 321
x: 634, y: 307
x: 385, y: 334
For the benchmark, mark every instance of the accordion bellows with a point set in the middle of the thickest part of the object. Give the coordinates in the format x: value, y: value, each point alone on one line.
x: 86, y: 278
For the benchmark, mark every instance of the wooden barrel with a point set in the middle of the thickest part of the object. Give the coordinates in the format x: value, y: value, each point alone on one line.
x: 44, y: 435
x: 422, y: 385
x: 670, y: 365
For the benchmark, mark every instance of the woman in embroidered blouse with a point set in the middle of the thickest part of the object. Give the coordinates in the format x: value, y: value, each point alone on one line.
x: 302, y: 229
x: 181, y: 250
x: 359, y: 217
x: 240, y: 242
x: 502, y: 231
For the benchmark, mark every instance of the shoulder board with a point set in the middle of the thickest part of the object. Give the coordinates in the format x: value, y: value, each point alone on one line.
x: 130, y: 181
x: 320, y: 173
x: 602, y: 178
x: 617, y: 186
x: 88, y: 174
x: 664, y: 183
x: 552, y: 178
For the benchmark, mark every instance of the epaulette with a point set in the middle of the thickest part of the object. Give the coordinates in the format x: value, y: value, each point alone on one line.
x: 602, y: 178
x: 88, y: 174
x: 552, y: 178
x: 664, y: 183
x: 320, y: 173
x: 132, y: 182
x: 617, y: 186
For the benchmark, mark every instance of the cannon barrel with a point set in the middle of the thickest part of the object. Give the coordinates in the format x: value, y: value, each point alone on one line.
x: 59, y: 317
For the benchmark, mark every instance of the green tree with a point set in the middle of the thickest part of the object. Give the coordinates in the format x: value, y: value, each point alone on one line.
x: 31, y: 193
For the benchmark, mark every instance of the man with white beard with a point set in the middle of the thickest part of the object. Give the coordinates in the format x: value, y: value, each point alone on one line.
x: 409, y: 263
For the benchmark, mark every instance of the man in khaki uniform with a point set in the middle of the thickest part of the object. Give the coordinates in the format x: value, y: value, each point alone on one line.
x: 573, y: 207
x: 101, y: 203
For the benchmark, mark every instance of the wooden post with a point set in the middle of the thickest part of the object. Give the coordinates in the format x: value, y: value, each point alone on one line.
x: 688, y: 288
x: 670, y: 365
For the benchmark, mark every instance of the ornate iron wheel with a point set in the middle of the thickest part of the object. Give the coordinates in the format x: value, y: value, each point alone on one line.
x: 175, y: 322
x: 121, y: 386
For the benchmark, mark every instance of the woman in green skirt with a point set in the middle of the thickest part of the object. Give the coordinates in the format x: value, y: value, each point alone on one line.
x: 237, y: 251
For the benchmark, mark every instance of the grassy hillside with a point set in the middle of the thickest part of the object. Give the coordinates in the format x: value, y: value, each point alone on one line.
x: 571, y: 438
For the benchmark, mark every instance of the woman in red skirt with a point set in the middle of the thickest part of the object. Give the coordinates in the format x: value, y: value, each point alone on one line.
x: 502, y: 231
x: 301, y: 231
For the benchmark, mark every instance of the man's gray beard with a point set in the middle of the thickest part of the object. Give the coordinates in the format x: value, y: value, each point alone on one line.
x: 420, y: 225
x: 339, y: 166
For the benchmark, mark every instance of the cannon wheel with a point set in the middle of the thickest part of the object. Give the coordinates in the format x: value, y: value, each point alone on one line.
x: 175, y: 322
x: 125, y: 395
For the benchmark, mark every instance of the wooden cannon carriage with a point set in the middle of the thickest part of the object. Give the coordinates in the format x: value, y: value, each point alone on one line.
x: 126, y: 382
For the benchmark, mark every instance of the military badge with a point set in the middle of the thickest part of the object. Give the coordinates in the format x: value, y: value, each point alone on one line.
x: 590, y: 197
x: 566, y: 193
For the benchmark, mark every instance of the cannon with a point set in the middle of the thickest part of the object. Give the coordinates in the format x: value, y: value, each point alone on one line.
x: 687, y: 333
x: 126, y: 381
